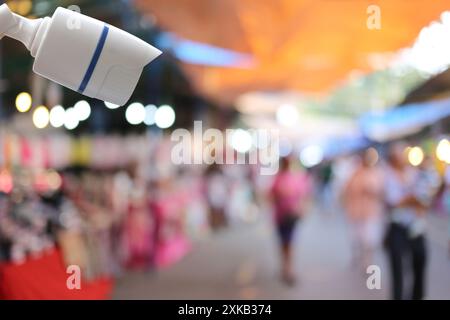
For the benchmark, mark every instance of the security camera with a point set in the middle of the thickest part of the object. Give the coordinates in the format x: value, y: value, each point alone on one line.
x: 81, y: 53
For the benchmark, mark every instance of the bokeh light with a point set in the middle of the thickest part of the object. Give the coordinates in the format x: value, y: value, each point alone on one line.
x: 165, y: 117
x: 57, y: 116
x: 23, y: 102
x: 287, y: 115
x: 150, y: 112
x: 41, y: 117
x: 311, y: 156
x: 241, y: 141
x: 6, y: 181
x: 135, y: 113
x: 71, y: 119
x: 443, y: 151
x: 82, y: 109
x: 415, y: 156
x: 110, y: 105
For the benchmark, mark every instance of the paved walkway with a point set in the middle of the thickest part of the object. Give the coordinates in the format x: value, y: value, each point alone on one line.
x: 241, y: 263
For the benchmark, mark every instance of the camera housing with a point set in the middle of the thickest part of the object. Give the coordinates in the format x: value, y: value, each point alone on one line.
x: 82, y: 53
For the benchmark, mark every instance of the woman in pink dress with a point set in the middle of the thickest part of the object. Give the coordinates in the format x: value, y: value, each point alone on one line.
x: 288, y: 193
x: 168, y: 204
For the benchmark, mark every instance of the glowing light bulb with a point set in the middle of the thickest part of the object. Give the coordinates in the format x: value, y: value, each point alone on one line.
x: 23, y: 102
x: 41, y: 117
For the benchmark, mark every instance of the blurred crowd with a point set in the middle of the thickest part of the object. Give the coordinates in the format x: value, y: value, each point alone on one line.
x: 143, y: 215
x: 385, y: 201
x: 149, y: 214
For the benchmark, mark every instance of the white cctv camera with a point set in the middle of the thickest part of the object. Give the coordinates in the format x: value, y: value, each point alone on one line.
x: 81, y: 53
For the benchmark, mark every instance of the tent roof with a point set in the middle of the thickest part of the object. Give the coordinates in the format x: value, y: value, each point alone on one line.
x: 305, y: 45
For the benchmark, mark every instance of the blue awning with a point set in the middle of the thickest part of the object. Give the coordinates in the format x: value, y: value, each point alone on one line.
x: 193, y: 52
x: 401, y: 122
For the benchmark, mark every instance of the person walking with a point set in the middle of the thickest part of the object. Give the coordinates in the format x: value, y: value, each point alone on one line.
x: 405, y: 238
x: 288, y: 193
x: 363, y: 201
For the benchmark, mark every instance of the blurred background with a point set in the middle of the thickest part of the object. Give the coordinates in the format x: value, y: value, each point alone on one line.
x: 343, y: 83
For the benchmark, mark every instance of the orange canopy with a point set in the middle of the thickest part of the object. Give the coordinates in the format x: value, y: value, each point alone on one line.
x: 306, y: 45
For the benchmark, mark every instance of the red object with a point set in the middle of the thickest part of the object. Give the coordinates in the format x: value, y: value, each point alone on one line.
x: 45, y: 278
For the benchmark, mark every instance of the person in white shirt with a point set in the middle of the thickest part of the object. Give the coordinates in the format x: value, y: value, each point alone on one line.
x: 405, y: 238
